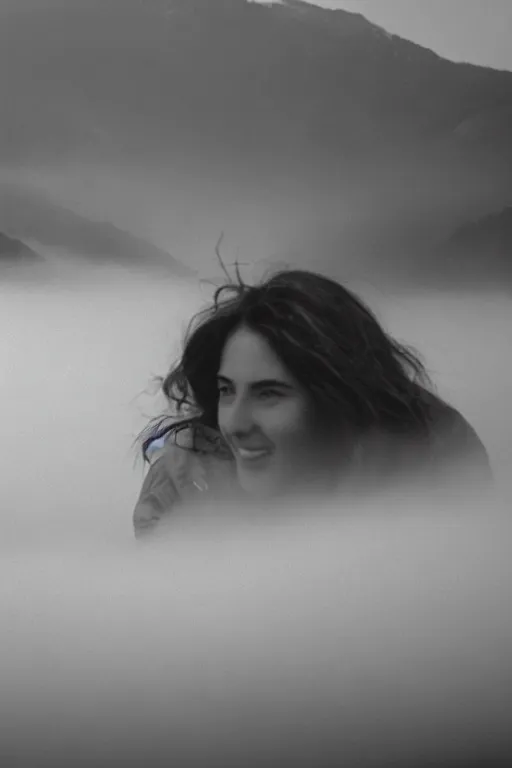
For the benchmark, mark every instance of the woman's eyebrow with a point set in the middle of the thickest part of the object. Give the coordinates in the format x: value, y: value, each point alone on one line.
x: 271, y: 383
x: 260, y: 384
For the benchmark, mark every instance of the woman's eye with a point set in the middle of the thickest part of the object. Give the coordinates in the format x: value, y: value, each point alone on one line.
x: 223, y: 390
x: 269, y: 393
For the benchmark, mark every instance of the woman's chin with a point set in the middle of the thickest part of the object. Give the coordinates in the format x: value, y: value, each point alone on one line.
x: 258, y: 486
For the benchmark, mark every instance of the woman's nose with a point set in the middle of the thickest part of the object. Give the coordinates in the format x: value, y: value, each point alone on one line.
x: 240, y: 418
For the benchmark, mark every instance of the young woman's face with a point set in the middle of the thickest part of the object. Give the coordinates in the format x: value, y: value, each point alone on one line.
x: 264, y: 415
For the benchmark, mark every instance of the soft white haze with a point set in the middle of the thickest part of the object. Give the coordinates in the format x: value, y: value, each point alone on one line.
x: 233, y: 640
x: 355, y: 634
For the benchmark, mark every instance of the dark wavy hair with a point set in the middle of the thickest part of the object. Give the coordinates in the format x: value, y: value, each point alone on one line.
x: 357, y: 376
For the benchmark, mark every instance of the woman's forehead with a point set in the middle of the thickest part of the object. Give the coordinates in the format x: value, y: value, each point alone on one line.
x: 247, y: 356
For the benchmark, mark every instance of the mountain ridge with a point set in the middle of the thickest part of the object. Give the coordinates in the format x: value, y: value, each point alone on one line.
x: 195, y: 52
x: 14, y: 251
x: 227, y: 100
x: 27, y: 214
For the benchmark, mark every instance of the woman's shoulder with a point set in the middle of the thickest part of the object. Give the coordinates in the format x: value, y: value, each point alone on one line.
x: 447, y: 420
x: 190, y: 455
x: 454, y: 439
x: 184, y: 464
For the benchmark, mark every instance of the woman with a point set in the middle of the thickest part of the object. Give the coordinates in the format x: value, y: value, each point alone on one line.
x: 292, y: 386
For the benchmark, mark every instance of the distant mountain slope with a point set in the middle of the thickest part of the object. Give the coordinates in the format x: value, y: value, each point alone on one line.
x: 13, y: 252
x: 482, y: 250
x: 260, y: 105
x: 490, y: 232
x: 29, y: 215
x: 477, y: 254
x: 96, y: 73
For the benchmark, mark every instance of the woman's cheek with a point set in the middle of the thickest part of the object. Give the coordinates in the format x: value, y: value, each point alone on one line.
x: 289, y: 428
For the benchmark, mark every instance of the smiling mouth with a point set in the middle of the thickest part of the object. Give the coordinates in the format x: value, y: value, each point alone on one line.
x: 251, y: 455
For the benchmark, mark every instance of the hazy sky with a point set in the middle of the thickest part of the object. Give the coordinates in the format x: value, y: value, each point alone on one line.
x: 478, y: 31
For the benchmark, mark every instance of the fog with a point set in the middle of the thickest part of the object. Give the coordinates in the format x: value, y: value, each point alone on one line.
x: 378, y: 633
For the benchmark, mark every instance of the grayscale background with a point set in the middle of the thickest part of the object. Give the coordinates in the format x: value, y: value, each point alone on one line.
x: 368, y: 139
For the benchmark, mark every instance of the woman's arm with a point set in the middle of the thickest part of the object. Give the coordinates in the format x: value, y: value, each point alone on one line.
x: 158, y: 495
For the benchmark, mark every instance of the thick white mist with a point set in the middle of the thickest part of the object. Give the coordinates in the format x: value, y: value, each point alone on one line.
x: 77, y: 353
x: 371, y: 630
